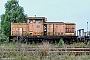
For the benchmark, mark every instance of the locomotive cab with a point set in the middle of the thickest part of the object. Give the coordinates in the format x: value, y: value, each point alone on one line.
x: 36, y: 25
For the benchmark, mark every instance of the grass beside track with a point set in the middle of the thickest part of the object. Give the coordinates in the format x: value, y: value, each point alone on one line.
x: 13, y: 44
x: 41, y: 54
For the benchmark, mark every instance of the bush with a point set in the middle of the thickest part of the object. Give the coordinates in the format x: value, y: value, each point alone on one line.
x: 61, y: 42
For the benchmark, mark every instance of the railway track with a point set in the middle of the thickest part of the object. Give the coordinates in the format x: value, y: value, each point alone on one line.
x: 58, y: 50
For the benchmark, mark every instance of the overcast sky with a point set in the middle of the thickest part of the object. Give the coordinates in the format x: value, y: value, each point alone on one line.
x: 77, y: 11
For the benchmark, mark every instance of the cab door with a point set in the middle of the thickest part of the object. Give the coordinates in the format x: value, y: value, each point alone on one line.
x: 20, y: 31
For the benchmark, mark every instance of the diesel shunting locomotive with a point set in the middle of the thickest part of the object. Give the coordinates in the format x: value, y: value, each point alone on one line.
x: 38, y: 29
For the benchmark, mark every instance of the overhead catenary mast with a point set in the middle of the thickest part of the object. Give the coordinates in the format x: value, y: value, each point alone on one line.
x: 87, y: 28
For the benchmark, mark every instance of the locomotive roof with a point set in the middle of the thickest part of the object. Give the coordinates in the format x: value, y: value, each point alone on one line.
x: 35, y: 17
x: 59, y: 23
x: 18, y: 23
x: 71, y: 23
x: 54, y: 22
